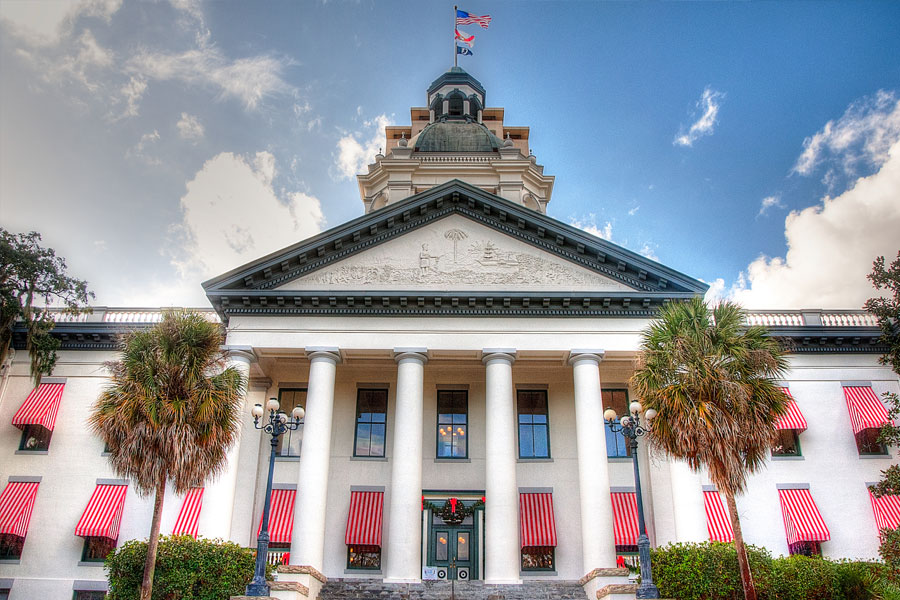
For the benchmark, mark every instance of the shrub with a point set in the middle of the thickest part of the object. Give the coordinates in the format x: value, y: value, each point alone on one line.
x: 707, y: 571
x: 186, y: 569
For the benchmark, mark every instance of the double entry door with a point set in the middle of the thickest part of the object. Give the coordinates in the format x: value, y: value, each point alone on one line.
x: 453, y: 549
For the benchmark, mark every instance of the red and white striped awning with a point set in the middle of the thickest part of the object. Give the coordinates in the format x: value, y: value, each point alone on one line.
x: 625, y: 518
x: 16, y: 504
x: 802, y: 521
x: 537, y: 526
x: 281, y: 516
x: 365, y: 518
x: 40, y: 407
x: 717, y: 522
x: 103, y: 514
x: 887, y: 511
x: 189, y: 515
x: 866, y: 410
x: 793, y: 418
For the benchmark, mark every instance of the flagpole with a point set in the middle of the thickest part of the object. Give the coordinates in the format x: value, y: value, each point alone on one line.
x: 455, y: 53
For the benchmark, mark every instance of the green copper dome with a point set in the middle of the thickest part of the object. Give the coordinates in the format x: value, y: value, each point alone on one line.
x: 456, y: 136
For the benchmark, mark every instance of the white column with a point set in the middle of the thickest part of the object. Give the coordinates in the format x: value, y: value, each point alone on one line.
x: 598, y: 543
x: 308, y: 539
x: 218, y: 497
x: 404, y: 539
x: 687, y: 503
x: 501, y: 514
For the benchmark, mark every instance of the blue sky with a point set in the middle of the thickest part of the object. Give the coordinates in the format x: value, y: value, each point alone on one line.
x: 753, y: 145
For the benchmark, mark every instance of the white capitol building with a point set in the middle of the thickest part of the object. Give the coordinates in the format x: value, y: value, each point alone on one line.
x: 454, y: 345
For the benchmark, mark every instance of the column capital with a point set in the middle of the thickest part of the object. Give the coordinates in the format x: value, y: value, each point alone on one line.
x: 259, y: 384
x: 420, y: 354
x: 507, y: 354
x: 240, y: 353
x: 332, y: 353
x: 595, y: 355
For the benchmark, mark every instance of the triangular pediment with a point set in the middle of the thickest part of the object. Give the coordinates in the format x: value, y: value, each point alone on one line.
x: 456, y: 243
x: 455, y: 254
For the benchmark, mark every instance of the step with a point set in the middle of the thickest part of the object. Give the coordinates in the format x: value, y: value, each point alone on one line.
x: 352, y: 589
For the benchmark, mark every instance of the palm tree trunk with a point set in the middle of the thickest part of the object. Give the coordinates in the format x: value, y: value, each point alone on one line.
x: 153, y: 542
x: 743, y: 561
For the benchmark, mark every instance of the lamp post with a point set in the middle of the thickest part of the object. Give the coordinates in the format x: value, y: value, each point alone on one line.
x: 631, y: 428
x: 275, y: 424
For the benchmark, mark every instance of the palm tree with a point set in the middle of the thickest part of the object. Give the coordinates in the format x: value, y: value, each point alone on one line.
x: 711, y: 380
x: 170, y: 413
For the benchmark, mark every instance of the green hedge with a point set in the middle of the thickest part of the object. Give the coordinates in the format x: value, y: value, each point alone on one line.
x: 709, y: 571
x: 186, y: 569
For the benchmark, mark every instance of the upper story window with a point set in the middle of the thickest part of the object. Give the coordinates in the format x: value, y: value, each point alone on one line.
x: 787, y: 444
x: 89, y: 595
x: 35, y: 438
x: 452, y: 424
x: 867, y: 442
x: 37, y: 416
x: 867, y: 415
x: 290, y: 441
x: 616, y: 444
x: 371, y: 418
x: 534, y: 428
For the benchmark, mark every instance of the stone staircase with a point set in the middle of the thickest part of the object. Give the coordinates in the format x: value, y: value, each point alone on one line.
x: 347, y: 589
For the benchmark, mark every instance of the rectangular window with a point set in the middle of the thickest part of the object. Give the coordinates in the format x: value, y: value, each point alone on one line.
x: 806, y: 548
x: 787, y: 444
x: 867, y: 442
x: 96, y: 549
x: 627, y: 557
x: 290, y: 441
x: 616, y: 444
x: 363, y: 557
x: 35, y: 438
x: 371, y: 416
x: 88, y: 595
x: 538, y: 558
x: 534, y: 429
x: 4, y: 593
x: 11, y: 547
x: 452, y: 425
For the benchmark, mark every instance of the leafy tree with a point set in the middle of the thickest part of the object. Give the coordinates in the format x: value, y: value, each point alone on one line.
x: 711, y: 380
x: 887, y: 310
x: 170, y: 413
x: 30, y: 273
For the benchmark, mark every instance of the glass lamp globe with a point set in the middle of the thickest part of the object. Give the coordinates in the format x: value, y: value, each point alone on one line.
x: 282, y: 417
x: 635, y: 407
x: 650, y: 414
x: 298, y: 413
x: 257, y: 410
x: 272, y: 404
x: 610, y: 415
x: 625, y: 421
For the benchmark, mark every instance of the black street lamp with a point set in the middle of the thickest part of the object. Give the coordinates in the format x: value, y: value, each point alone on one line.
x: 631, y: 428
x: 276, y: 424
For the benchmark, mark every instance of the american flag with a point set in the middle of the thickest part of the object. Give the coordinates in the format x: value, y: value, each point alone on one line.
x: 464, y: 18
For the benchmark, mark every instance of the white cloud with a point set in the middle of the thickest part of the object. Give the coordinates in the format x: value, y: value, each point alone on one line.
x: 189, y: 128
x: 139, y: 150
x: 830, y: 247
x: 716, y: 291
x: 768, y: 202
x: 589, y: 224
x: 708, y: 108
x: 648, y: 251
x: 45, y: 23
x: 356, y: 150
x: 231, y: 214
x: 249, y: 80
x: 633, y: 211
x: 862, y: 136
x: 132, y: 92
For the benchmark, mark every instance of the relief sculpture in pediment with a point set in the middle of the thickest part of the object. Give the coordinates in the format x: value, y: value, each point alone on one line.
x: 455, y: 257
